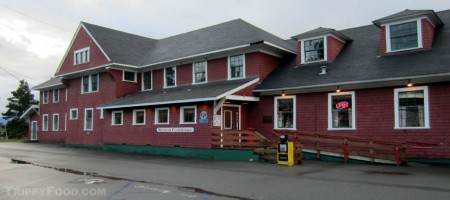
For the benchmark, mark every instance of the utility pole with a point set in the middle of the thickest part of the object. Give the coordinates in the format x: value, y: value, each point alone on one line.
x: 6, y: 131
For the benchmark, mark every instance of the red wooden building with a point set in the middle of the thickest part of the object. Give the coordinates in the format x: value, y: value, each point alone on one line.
x: 386, y: 81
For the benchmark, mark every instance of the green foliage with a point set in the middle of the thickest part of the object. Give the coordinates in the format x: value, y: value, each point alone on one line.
x: 17, y: 128
x: 20, y: 101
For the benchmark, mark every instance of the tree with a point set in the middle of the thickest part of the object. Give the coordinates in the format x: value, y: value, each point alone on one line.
x: 21, y: 100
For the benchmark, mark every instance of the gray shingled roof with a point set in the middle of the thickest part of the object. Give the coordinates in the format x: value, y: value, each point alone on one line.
x: 53, y: 83
x: 126, y: 48
x: 221, y: 36
x: 359, y: 61
x: 406, y: 14
x: 187, y: 93
x: 121, y: 47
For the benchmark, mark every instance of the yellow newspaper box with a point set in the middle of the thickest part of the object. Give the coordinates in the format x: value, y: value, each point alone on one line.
x: 285, y: 155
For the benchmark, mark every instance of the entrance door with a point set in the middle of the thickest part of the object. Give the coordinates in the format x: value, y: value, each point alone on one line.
x: 231, y: 118
x: 34, y: 130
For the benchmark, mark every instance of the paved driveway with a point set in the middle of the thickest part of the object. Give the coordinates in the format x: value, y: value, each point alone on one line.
x: 56, y: 172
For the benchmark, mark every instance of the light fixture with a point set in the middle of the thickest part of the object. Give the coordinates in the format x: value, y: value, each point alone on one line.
x: 409, y: 83
x: 338, y: 89
x: 283, y: 94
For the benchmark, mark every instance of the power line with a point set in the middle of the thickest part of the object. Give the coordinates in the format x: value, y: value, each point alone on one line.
x: 40, y: 21
x: 11, y: 74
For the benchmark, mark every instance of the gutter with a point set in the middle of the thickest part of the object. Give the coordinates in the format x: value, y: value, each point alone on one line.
x: 354, y: 82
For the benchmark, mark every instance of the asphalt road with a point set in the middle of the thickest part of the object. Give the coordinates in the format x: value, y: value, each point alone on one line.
x: 44, y: 171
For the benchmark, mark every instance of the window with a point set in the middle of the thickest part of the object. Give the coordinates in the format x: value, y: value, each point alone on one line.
x: 45, y: 122
x: 55, y: 122
x: 162, y: 116
x: 81, y: 56
x: 403, y: 36
x: 117, y: 118
x: 236, y: 67
x: 88, y: 119
x: 147, y: 80
x: 314, y: 50
x: 139, y: 117
x: 129, y: 76
x: 170, y: 75
x: 200, y: 72
x: 73, y: 113
x: 411, y: 107
x: 188, y: 115
x: 89, y: 83
x: 285, y: 112
x: 341, y: 111
x: 45, y: 97
x: 55, y: 95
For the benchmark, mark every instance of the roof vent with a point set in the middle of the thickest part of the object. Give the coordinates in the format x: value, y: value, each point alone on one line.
x: 323, y: 70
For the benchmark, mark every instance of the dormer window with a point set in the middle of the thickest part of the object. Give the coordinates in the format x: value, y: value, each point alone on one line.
x: 81, y: 56
x: 314, y: 50
x: 403, y: 36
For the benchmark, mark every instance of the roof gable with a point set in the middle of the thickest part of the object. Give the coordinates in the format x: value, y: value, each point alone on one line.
x: 409, y: 14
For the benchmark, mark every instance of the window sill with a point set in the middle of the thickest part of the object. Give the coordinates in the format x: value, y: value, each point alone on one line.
x: 400, y: 50
x: 411, y: 128
x: 199, y: 83
x: 312, y: 62
x: 161, y: 123
x: 189, y: 123
x: 129, y: 81
x: 165, y: 87
x: 116, y: 124
x: 138, y: 124
x: 341, y: 129
x: 236, y: 78
x: 89, y: 92
x: 290, y: 129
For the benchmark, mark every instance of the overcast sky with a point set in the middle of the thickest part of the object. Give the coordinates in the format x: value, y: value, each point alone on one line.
x: 34, y: 34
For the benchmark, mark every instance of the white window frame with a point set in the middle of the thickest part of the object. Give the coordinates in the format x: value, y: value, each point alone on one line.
x: 135, y: 76
x: 206, y: 73
x: 151, y: 82
x: 81, y: 59
x: 175, y: 74
x: 44, y: 125
x: 157, y: 115
x: 70, y: 111
x: 388, y: 35
x: 92, y: 120
x: 134, y: 116
x: 425, y: 104
x: 294, y: 108
x: 330, y: 110
x: 243, y: 67
x: 55, y: 100
x: 90, y: 84
x: 55, y: 126
x: 325, y: 49
x: 44, y: 95
x: 182, y: 108
x: 113, y: 123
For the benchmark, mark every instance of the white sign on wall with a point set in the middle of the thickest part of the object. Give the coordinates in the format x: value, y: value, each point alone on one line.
x: 217, y: 120
x: 175, y: 129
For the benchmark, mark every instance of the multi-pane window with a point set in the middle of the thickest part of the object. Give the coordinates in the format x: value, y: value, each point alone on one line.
x: 314, y: 50
x: 73, y: 113
x: 55, y: 122
x: 129, y: 76
x: 117, y: 118
x: 139, y: 117
x: 55, y: 95
x: 45, y: 97
x: 236, y: 69
x: 45, y: 122
x: 341, y: 110
x: 162, y: 116
x: 89, y: 83
x: 411, y: 106
x: 403, y: 36
x: 170, y: 77
x: 147, y: 80
x: 81, y: 56
x: 188, y: 115
x: 88, y: 119
x: 285, y: 112
x: 199, y: 72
